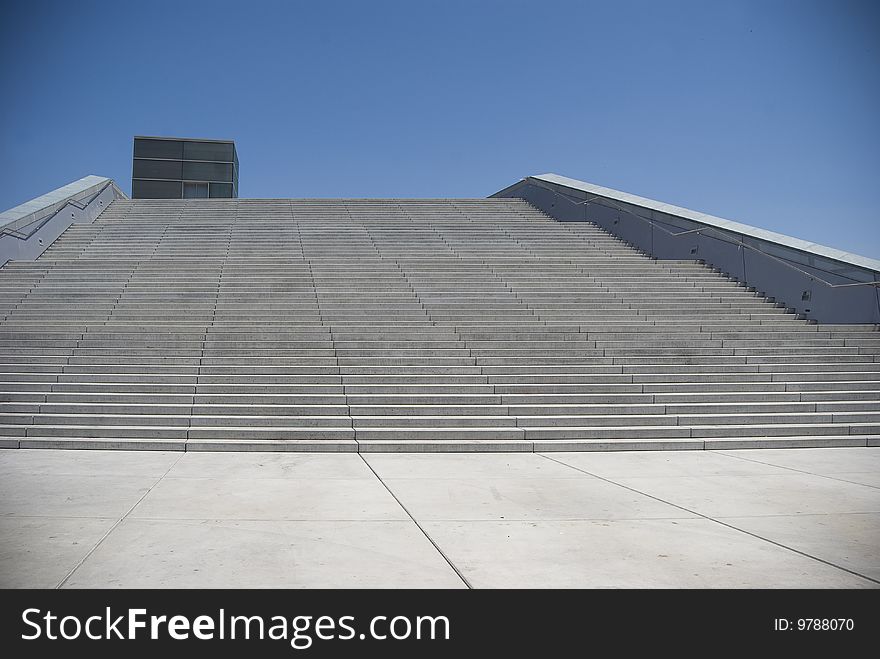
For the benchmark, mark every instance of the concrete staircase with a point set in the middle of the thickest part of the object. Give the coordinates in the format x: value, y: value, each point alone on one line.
x: 405, y: 325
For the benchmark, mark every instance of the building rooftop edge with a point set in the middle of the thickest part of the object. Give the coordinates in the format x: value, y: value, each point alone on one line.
x: 182, y: 139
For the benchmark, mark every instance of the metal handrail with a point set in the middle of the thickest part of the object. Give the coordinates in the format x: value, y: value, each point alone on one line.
x: 81, y: 205
x: 700, y: 230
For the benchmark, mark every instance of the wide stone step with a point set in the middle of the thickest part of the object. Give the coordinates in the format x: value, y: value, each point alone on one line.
x: 395, y: 325
x: 774, y: 430
x: 431, y: 434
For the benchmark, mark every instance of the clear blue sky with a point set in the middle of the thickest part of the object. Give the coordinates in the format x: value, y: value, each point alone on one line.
x: 766, y: 112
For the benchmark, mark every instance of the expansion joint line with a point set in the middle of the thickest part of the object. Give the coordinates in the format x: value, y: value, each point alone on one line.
x: 831, y: 477
x: 117, y: 523
x: 420, y: 527
x: 332, y: 347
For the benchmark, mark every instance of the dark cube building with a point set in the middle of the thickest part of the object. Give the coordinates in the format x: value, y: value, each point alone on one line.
x: 183, y: 168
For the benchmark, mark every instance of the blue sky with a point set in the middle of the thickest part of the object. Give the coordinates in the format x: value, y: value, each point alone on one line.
x: 763, y: 112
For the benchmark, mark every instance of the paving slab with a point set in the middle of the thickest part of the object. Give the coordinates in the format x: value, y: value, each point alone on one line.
x: 266, y: 554
x: 751, y: 495
x: 70, y: 495
x: 851, y: 541
x: 870, y: 478
x: 816, y: 460
x: 684, y: 553
x: 151, y: 464
x: 467, y: 466
x: 38, y: 552
x: 525, y: 499
x: 505, y: 520
x: 269, y: 499
x: 663, y: 464
x: 271, y: 465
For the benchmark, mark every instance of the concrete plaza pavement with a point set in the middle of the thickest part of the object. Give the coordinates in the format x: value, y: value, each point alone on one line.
x: 767, y: 518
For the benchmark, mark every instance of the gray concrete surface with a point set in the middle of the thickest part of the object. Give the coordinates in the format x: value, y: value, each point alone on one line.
x: 406, y: 326
x: 689, y: 519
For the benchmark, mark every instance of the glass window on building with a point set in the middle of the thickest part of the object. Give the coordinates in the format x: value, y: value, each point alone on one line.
x: 222, y: 190
x: 158, y: 169
x: 207, y: 171
x: 155, y: 189
x: 195, y: 190
x: 213, y: 151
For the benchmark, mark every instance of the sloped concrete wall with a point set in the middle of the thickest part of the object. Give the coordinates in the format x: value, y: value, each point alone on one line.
x: 809, y: 281
x: 27, y: 230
